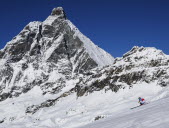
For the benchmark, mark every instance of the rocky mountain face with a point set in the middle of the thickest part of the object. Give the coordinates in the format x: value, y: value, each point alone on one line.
x: 54, y: 60
x: 47, y: 54
x: 140, y: 65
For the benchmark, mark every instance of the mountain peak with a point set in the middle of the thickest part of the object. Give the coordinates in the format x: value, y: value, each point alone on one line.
x: 59, y: 11
x: 144, y: 51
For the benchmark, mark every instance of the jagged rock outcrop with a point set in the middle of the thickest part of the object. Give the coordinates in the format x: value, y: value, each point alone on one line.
x: 136, y: 66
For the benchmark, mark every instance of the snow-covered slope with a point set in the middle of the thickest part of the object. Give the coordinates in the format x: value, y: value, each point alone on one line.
x: 152, y: 115
x: 71, y: 112
x: 99, y: 55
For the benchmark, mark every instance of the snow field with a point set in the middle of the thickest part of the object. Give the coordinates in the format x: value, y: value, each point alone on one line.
x: 71, y: 112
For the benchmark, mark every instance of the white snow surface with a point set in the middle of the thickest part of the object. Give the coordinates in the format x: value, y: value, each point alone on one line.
x: 152, y: 115
x: 70, y: 112
x: 141, y: 56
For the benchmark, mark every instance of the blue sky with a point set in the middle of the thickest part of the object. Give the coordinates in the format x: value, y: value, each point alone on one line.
x: 114, y: 25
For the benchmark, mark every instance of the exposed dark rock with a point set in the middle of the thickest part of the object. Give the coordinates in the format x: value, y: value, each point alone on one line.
x: 1, y: 121
x: 4, y: 96
x: 1, y: 54
x: 18, y: 77
x: 48, y: 31
x: 58, y: 11
x: 26, y: 89
x: 98, y: 118
x: 131, y: 77
x: 24, y: 66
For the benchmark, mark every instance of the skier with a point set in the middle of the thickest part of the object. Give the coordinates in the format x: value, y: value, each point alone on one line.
x: 141, y: 101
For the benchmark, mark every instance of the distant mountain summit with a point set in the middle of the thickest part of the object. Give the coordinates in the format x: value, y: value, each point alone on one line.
x: 51, y: 66
x: 45, y: 52
x: 59, y: 36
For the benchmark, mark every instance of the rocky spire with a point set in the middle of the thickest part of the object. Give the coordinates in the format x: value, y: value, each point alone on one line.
x: 59, y: 11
